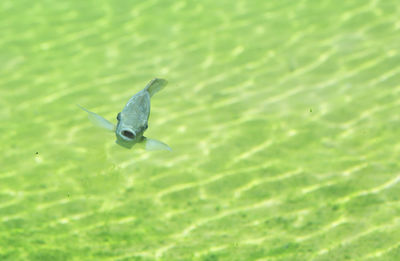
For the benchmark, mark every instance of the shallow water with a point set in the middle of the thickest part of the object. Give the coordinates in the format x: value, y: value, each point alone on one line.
x: 282, y: 115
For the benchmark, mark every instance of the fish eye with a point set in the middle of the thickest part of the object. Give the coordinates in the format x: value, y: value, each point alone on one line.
x: 128, y: 134
x: 146, y: 126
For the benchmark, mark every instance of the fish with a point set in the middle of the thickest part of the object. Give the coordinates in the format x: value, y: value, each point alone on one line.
x: 133, y: 119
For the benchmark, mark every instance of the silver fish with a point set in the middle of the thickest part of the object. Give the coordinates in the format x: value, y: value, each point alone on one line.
x: 133, y: 119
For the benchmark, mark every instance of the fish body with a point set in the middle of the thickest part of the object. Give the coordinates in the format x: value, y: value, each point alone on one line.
x: 133, y: 119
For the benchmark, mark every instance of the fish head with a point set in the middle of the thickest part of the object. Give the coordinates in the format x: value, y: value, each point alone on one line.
x: 129, y: 132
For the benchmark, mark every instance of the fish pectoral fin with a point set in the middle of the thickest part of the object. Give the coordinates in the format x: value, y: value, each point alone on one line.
x: 155, y: 85
x: 152, y: 145
x: 98, y: 121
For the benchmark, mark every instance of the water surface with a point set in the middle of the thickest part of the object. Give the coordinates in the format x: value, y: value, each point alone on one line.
x: 283, y: 117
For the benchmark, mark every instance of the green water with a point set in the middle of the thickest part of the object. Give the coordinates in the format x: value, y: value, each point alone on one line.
x: 283, y: 117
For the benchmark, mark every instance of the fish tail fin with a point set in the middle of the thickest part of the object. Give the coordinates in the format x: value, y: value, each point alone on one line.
x: 155, y: 85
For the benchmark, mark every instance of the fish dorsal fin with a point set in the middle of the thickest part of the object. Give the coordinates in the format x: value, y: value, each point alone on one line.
x: 155, y: 85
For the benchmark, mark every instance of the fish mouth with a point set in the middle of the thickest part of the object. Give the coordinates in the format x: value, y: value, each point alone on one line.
x: 128, y: 134
x: 126, y: 138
